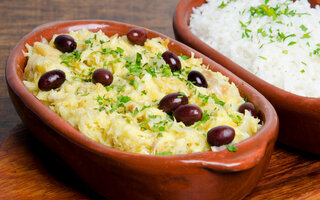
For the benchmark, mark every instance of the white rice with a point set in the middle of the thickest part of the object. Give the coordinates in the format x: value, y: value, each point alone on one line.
x: 291, y: 63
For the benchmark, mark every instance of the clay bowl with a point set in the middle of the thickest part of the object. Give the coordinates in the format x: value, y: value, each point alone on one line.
x: 299, y: 116
x: 120, y: 175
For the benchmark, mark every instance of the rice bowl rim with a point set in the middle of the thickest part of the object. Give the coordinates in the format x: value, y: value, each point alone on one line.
x: 181, y: 22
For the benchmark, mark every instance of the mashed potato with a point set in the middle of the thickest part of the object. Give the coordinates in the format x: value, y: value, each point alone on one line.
x: 125, y: 114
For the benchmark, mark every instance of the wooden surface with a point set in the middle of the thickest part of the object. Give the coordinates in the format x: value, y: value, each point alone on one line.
x: 29, y: 171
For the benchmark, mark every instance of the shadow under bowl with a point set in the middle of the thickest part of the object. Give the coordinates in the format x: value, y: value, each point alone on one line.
x: 299, y: 116
x: 117, y: 174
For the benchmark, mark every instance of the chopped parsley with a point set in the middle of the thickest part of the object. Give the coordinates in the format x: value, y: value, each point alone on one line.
x: 145, y: 107
x: 264, y: 10
x: 184, y: 57
x: 115, y: 106
x: 291, y: 43
x: 316, y: 51
x: 134, y: 83
x: 222, y: 5
x: 138, y: 59
x: 264, y: 58
x: 152, y: 116
x: 237, y: 119
x: 124, y: 99
x: 242, y: 24
x: 135, y: 112
x: 70, y: 58
x: 164, y: 153
x: 231, y: 148
x: 102, y: 102
x: 204, y: 98
x: 246, y: 32
x: 303, y: 28
x: 152, y: 72
x: 181, y: 95
x: 119, y: 50
x: 246, y: 98
x: 282, y: 37
x: 159, y: 135
x: 108, y: 87
x: 143, y: 92
x: 134, y: 69
x: 129, y: 59
x: 306, y: 35
x: 166, y: 71
x: 156, y: 128
x: 217, y: 100
x: 144, y: 125
x: 205, y: 117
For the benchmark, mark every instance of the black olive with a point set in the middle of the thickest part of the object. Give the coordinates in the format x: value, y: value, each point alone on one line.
x: 65, y: 43
x: 220, y: 135
x: 137, y: 36
x: 188, y: 114
x: 172, y: 101
x: 172, y: 60
x: 51, y: 80
x: 197, y: 79
x: 250, y: 107
x: 102, y: 76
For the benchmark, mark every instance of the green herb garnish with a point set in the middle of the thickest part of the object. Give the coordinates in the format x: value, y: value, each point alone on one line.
x: 303, y: 28
x: 164, y: 153
x: 291, y: 43
x: 129, y: 59
x: 184, y: 57
x: 264, y: 58
x: 217, y: 100
x: 205, y: 117
x: 69, y: 58
x: 306, y: 35
x: 134, y: 83
x: 143, y: 92
x: 124, y: 99
x: 222, y: 5
x: 159, y: 135
x: 231, y: 148
x: 237, y: 119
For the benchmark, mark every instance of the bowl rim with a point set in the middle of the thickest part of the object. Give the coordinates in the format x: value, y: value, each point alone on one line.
x: 249, y: 153
x: 274, y: 94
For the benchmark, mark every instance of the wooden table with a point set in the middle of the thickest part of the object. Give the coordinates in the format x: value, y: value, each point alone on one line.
x: 28, y: 171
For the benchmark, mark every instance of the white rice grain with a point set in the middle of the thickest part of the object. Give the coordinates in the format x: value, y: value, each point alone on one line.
x: 283, y: 51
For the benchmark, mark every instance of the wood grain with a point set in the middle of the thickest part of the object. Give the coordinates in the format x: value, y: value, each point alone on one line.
x: 29, y: 171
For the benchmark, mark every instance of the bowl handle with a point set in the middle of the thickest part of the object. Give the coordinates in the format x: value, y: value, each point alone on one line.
x: 247, y: 159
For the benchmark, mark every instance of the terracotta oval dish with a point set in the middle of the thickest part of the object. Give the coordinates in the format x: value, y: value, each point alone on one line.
x: 117, y: 174
x: 299, y: 116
